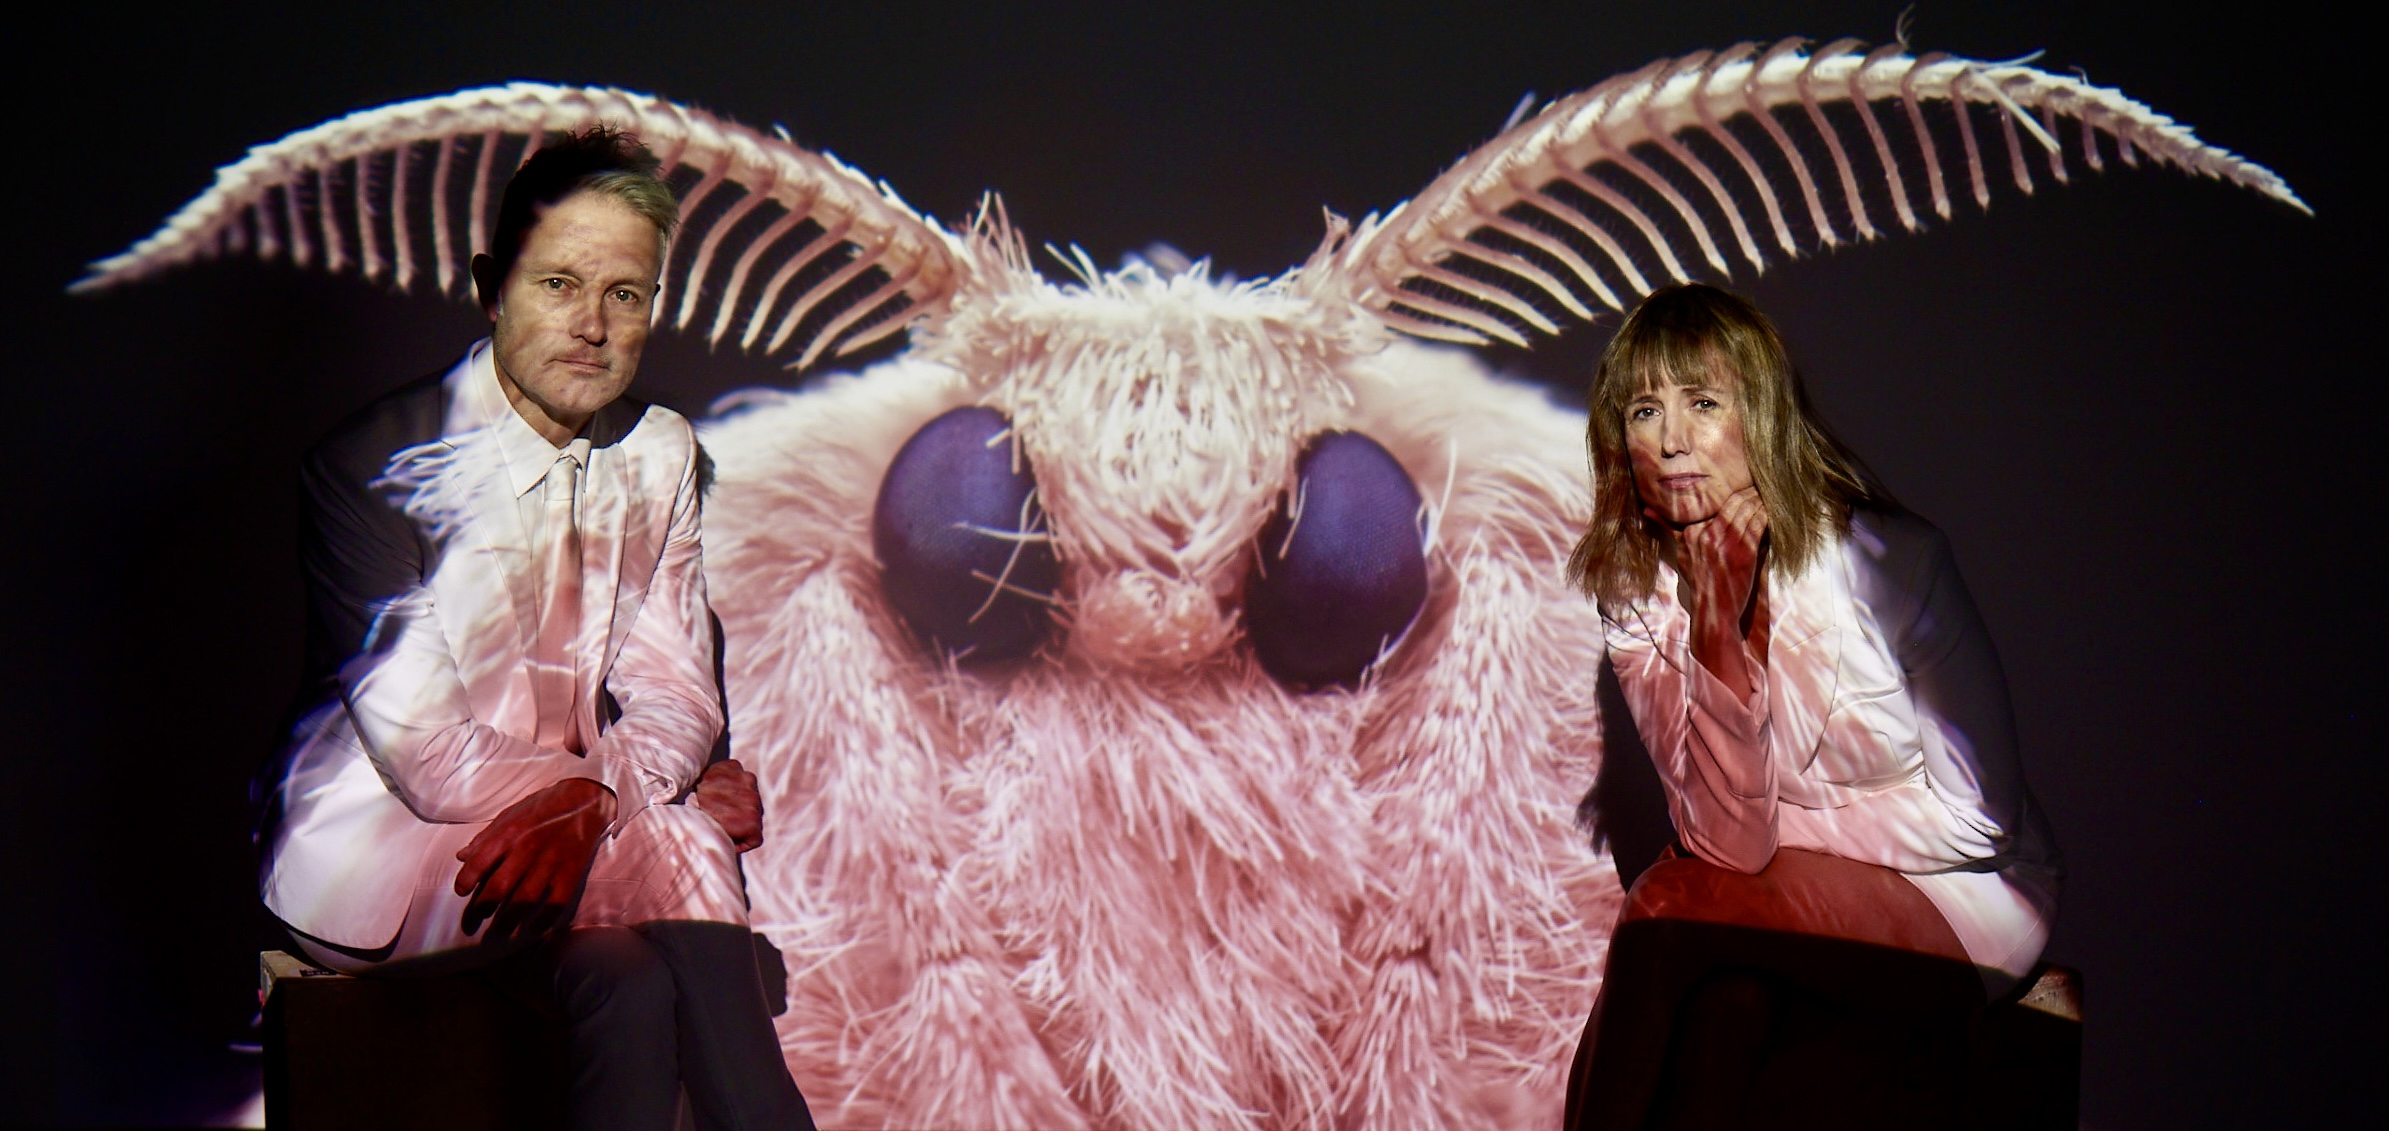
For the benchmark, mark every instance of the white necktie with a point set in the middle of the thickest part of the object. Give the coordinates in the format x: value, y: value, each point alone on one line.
x: 555, y: 680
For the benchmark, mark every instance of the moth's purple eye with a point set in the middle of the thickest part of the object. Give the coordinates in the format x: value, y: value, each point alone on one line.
x: 1341, y: 568
x: 963, y: 553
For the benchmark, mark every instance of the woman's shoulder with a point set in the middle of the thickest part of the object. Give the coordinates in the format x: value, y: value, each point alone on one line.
x: 1893, y: 539
x: 1902, y: 569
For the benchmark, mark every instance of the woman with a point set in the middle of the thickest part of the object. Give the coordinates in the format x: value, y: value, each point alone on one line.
x: 1827, y: 718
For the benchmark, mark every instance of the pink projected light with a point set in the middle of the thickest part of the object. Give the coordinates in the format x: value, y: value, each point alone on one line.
x: 1190, y: 732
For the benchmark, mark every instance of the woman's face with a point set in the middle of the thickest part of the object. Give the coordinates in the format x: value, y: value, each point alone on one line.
x: 1685, y: 442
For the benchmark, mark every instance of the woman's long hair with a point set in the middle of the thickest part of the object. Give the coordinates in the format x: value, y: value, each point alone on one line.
x: 1697, y: 334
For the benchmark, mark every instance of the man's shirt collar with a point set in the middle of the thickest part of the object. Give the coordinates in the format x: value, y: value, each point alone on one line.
x: 526, y: 454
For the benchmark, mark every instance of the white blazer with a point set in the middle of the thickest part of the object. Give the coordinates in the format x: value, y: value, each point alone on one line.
x: 1881, y: 733
x: 422, y: 613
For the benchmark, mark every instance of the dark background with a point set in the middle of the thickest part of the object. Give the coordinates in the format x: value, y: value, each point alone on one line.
x: 2137, y: 405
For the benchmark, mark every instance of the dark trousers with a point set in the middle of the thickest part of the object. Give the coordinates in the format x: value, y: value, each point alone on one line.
x: 1819, y: 992
x: 663, y: 1005
x: 650, y: 1010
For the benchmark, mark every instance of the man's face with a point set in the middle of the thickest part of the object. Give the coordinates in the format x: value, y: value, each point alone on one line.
x: 571, y: 316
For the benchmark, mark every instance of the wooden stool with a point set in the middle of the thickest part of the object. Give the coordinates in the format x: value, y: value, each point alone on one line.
x: 361, y: 1054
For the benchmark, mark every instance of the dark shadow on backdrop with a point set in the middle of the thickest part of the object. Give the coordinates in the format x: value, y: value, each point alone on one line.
x: 1626, y: 810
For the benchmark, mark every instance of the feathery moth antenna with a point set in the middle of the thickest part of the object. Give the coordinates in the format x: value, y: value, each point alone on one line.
x: 1874, y: 132
x: 1924, y: 133
x: 1836, y: 50
x: 1541, y: 206
x: 303, y: 192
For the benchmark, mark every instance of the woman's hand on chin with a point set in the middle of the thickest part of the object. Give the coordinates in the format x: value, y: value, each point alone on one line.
x: 1720, y: 560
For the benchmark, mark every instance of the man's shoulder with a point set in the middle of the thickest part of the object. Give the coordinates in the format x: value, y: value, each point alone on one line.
x: 361, y: 444
x: 662, y: 441
x: 635, y: 421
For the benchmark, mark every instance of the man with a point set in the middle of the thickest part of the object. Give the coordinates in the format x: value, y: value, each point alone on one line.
x: 514, y: 676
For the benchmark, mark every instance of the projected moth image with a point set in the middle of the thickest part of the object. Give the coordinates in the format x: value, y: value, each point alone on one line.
x: 1168, y: 701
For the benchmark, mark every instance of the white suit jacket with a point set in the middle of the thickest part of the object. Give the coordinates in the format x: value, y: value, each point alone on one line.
x: 1881, y: 732
x: 422, y: 614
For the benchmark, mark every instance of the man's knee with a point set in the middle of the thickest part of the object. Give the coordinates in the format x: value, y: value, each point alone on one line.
x: 683, y: 834
x: 669, y: 862
x: 611, y: 969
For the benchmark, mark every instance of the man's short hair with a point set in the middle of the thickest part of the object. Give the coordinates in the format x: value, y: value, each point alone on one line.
x: 599, y: 159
